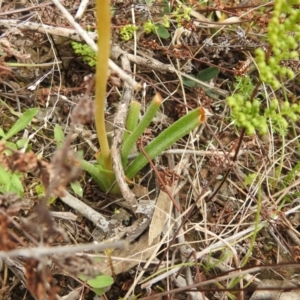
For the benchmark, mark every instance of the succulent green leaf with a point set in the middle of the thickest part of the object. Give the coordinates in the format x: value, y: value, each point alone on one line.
x: 132, y: 118
x: 97, y: 173
x: 140, y: 128
x: 168, y: 137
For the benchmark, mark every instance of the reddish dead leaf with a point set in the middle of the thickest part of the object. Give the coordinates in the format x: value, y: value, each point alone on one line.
x: 39, y: 281
x: 6, y: 240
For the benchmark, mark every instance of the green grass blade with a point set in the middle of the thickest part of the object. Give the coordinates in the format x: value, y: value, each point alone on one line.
x: 22, y: 122
x: 168, y: 137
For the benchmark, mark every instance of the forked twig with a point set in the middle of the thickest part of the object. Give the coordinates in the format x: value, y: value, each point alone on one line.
x: 119, y: 121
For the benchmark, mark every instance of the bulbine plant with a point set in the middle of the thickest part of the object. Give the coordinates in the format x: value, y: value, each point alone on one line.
x: 102, y: 171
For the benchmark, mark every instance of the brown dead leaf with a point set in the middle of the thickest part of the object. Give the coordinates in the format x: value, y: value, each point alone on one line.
x: 39, y: 281
x: 208, y: 23
x: 160, y: 216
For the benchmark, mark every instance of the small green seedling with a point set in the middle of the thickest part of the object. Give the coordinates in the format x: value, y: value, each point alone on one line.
x: 12, y: 181
x: 127, y: 32
x: 99, y: 283
x: 84, y: 50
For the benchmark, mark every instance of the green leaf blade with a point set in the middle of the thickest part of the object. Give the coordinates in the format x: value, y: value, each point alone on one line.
x: 169, y: 136
x: 162, y: 32
x: 21, y: 123
x: 16, y: 184
x: 208, y: 74
x: 140, y: 128
x: 188, y: 82
x: 97, y: 173
x: 101, y: 281
x: 132, y: 118
x: 77, y: 188
x: 59, y: 135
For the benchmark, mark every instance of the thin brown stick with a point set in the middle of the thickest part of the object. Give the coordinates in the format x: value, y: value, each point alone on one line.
x: 160, y: 179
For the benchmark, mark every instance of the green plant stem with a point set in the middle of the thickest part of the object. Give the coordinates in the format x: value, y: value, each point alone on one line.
x: 278, y: 170
x: 15, y: 65
x: 103, y: 28
x: 168, y: 137
x: 140, y: 128
x: 257, y: 226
